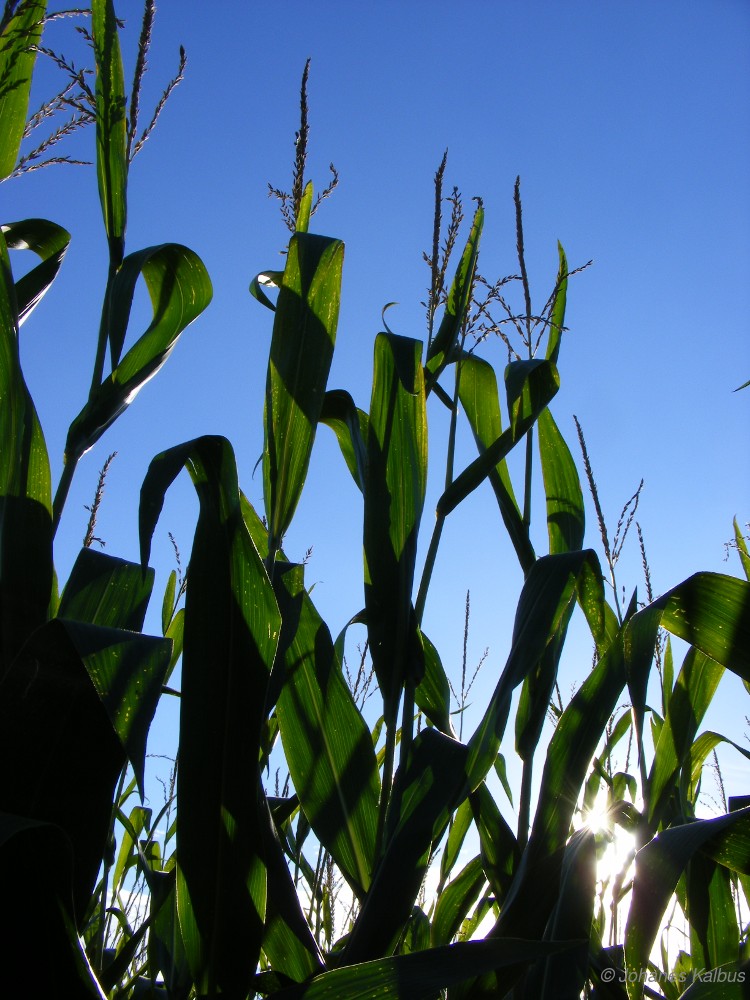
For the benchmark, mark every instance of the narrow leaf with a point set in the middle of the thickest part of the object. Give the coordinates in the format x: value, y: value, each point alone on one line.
x: 17, y: 57
x: 49, y: 242
x: 304, y: 334
x: 111, y: 126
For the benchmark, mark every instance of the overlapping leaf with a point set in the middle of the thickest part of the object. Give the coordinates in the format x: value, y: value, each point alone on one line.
x: 394, y: 498
x: 326, y: 741
x: 304, y: 334
x: 232, y: 627
x: 25, y: 490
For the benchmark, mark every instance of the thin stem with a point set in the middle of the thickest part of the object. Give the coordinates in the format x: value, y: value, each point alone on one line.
x: 429, y: 565
x: 527, y: 478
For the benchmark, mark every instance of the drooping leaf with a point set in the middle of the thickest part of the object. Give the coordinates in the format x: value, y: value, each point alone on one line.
x: 180, y: 289
x: 394, y: 497
x: 349, y: 424
x: 50, y: 242
x: 327, y: 743
x: 18, y: 43
x: 232, y: 627
x: 304, y: 334
x: 111, y: 126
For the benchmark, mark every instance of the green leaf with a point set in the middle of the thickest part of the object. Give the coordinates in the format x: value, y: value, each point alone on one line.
x: 456, y: 900
x: 530, y: 386
x: 729, y: 982
x: 658, y: 866
x: 557, y: 313
x: 305, y: 209
x: 180, y: 289
x: 542, y: 613
x: 497, y: 841
x: 349, y: 424
x: 104, y: 590
x: 287, y: 940
x: 36, y: 873
x: 50, y: 242
x: 429, y: 791
x: 433, y: 693
x: 563, y: 976
x: 74, y: 705
x: 459, y: 299
x: 565, y: 511
x: 696, y: 685
x: 421, y: 975
x: 714, y: 933
x: 741, y: 544
x: 26, y: 571
x: 394, y: 498
x: 459, y: 827
x: 111, y: 126
x: 304, y: 334
x: 266, y: 279
x: 232, y: 627
x: 326, y: 741
x: 479, y: 397
x: 17, y: 56
x: 579, y: 731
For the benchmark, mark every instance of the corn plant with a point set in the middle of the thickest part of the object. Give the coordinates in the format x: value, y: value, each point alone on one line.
x: 314, y: 886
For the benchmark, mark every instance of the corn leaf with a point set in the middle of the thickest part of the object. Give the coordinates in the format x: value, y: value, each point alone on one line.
x: 530, y: 386
x: 36, y: 874
x: 17, y: 56
x: 349, y: 424
x: 696, y: 685
x: 111, y: 126
x: 557, y: 312
x: 457, y: 304
x: 428, y: 791
x: 394, y: 498
x: 455, y: 901
x: 327, y: 743
x: 180, y: 289
x: 25, y: 490
x: 49, y: 242
x: 104, y: 590
x: 232, y: 627
x: 304, y: 334
x: 76, y: 703
x: 566, y: 520
x: 659, y: 865
x: 479, y: 397
x: 421, y: 975
x: 542, y: 613
x: 741, y: 544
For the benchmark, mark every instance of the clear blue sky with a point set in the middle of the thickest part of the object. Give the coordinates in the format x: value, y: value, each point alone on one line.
x: 629, y: 125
